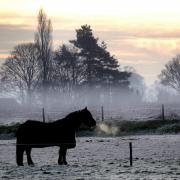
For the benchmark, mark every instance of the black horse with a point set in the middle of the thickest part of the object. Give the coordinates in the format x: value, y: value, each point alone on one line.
x: 61, y: 133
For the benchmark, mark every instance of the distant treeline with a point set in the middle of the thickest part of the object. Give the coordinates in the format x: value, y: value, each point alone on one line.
x: 34, y: 71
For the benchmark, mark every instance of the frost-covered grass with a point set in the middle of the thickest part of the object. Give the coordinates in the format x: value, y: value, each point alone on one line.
x: 154, y: 157
x: 8, y: 131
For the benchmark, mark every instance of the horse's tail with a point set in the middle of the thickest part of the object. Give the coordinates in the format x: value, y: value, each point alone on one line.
x: 16, y: 133
x: 19, y: 131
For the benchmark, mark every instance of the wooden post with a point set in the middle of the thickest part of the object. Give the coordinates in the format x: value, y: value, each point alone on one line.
x: 102, y: 113
x: 163, y: 117
x: 130, y: 151
x: 43, y: 114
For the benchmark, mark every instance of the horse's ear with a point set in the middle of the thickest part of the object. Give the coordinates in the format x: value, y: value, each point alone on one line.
x: 85, y: 108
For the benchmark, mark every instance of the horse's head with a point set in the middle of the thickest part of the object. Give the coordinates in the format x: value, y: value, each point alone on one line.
x: 86, y: 118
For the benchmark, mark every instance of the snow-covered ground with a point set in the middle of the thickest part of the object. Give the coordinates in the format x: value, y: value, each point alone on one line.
x: 155, y: 157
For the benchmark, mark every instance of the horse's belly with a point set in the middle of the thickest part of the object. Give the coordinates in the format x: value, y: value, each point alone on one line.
x: 46, y: 141
x: 69, y: 145
x: 46, y: 137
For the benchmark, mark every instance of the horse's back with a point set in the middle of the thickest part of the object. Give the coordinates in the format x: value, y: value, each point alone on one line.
x: 28, y: 130
x: 29, y: 125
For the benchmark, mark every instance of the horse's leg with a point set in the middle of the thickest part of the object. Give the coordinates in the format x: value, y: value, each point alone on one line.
x: 62, y: 156
x: 28, y: 153
x: 19, y: 155
x: 60, y: 160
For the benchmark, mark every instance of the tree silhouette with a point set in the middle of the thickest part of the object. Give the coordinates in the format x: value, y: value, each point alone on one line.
x: 68, y: 69
x: 170, y: 75
x: 85, y: 65
x: 20, y: 70
x: 88, y: 46
x: 43, y: 40
x: 102, y: 75
x: 101, y: 68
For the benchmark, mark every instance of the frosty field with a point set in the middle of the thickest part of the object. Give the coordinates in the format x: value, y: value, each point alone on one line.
x: 154, y: 157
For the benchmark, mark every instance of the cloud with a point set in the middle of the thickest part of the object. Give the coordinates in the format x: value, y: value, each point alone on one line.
x: 3, y: 56
x: 142, y: 48
x: 129, y: 33
x: 12, y: 35
x: 140, y: 62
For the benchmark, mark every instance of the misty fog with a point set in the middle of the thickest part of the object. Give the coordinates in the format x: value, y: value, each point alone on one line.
x: 138, y: 103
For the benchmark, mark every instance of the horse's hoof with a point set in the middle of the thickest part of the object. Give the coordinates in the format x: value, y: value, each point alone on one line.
x: 65, y: 163
x: 32, y: 165
x: 60, y: 163
x: 20, y: 164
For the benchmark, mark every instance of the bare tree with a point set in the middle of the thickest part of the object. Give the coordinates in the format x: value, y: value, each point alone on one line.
x: 20, y: 70
x: 170, y: 75
x: 68, y: 70
x: 43, y: 40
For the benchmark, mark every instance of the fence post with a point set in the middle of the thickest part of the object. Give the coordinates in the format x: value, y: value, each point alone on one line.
x: 130, y: 151
x: 163, y: 117
x: 102, y: 113
x: 43, y: 114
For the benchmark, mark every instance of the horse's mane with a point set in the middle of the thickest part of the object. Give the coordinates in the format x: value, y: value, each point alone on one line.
x: 70, y: 116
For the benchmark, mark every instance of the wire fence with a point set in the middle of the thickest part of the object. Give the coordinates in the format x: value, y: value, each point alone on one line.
x: 140, y: 112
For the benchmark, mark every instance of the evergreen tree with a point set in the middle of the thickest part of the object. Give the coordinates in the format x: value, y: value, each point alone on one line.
x: 88, y: 46
x: 101, y: 67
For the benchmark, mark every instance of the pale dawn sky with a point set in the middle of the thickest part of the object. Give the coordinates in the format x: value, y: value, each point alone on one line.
x: 144, y: 34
